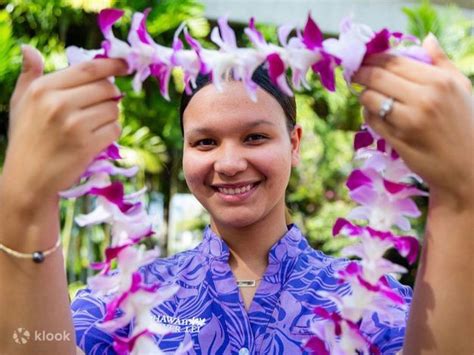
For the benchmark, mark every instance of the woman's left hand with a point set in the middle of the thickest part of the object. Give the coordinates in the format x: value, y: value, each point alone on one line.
x: 431, y: 124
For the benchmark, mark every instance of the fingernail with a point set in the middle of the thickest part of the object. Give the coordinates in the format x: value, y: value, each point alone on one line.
x: 119, y: 97
x: 365, y: 113
x: 431, y: 37
x: 24, y: 55
x: 22, y: 49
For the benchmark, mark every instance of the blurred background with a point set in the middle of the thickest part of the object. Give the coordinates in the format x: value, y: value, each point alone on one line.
x: 151, y: 135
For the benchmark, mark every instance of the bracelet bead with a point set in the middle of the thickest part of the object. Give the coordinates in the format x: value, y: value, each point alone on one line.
x: 38, y: 257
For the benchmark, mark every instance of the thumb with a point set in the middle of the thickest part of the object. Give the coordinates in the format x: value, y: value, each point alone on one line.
x: 32, y: 68
x: 440, y: 59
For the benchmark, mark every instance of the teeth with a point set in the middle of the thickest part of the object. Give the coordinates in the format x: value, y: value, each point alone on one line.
x: 236, y: 191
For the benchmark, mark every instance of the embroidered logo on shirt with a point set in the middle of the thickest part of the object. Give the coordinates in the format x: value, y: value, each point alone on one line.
x: 181, y: 325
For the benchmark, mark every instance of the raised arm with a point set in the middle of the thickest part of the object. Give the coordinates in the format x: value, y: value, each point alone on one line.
x: 58, y: 123
x: 431, y: 126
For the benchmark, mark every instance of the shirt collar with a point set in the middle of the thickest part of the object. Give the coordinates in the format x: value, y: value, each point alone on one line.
x: 287, y: 247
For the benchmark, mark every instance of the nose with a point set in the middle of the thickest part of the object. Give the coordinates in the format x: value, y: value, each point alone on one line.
x: 230, y: 161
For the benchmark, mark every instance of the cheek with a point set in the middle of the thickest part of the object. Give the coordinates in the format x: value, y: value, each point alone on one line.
x: 275, y: 163
x: 195, y: 170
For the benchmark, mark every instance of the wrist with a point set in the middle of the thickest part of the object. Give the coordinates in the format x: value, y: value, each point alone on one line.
x: 451, y: 223
x: 28, y: 223
x: 23, y: 201
x: 456, y: 202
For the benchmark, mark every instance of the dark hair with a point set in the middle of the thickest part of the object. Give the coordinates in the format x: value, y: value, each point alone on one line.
x: 262, y: 79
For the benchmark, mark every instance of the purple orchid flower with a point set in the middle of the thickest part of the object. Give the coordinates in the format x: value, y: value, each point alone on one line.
x: 384, y: 203
x: 76, y: 55
x: 331, y: 325
x: 354, y: 272
x: 382, y: 158
x: 124, y: 346
x: 357, y: 41
x: 362, y: 139
x: 111, y: 152
x: 231, y: 60
x: 129, y: 259
x: 189, y: 61
x: 96, y: 181
x: 350, y: 48
x: 277, y: 73
x: 137, y: 301
x: 407, y: 246
x: 113, y: 47
x: 312, y: 38
x: 148, y: 58
x: 276, y: 66
x: 105, y: 166
x: 110, y: 254
x: 114, y: 193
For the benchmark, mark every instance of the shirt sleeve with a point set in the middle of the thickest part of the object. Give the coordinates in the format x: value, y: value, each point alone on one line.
x: 87, y: 311
x: 388, y: 335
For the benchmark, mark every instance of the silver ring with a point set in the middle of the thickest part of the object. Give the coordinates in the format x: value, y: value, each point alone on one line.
x: 386, y: 107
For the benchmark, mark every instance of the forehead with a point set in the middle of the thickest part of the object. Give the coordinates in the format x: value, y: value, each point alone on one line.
x: 231, y: 109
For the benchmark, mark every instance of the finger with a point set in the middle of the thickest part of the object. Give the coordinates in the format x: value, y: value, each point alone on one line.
x: 94, y: 117
x: 380, y: 126
x: 84, y: 73
x: 391, y: 134
x: 387, y: 83
x: 417, y: 71
x: 404, y: 67
x: 90, y: 94
x: 105, y: 136
x: 32, y: 68
x: 397, y: 117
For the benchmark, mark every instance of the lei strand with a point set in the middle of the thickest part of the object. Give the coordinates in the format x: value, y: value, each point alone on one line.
x: 380, y: 185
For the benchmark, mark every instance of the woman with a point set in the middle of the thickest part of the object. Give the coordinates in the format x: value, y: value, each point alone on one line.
x: 237, y: 161
x: 250, y: 286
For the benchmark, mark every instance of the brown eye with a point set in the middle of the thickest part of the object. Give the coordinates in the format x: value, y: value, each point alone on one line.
x: 205, y: 142
x: 253, y: 138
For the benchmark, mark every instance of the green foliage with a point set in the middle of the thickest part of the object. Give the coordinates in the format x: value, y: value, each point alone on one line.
x: 456, y: 38
x: 9, y: 67
x: 142, y: 148
x: 422, y: 20
x: 171, y: 13
x: 8, y: 50
x: 450, y: 26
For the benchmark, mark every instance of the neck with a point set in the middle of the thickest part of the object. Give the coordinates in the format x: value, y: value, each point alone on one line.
x: 249, y: 245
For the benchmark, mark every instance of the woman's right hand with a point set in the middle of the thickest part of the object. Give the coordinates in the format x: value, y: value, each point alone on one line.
x: 58, y: 123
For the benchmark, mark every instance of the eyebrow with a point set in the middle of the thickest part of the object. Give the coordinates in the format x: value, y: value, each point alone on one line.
x: 206, y: 130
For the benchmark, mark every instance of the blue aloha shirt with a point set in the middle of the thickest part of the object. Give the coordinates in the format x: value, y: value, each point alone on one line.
x: 208, y: 307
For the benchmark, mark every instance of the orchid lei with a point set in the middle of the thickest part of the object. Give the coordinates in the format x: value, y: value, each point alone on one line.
x: 380, y: 185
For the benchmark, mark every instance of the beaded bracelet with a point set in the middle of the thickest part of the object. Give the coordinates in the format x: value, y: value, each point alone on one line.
x: 37, y: 256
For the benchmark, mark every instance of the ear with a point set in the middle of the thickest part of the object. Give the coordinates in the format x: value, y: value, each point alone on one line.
x: 295, y: 139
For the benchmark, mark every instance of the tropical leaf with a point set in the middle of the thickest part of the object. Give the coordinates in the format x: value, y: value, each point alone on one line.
x: 422, y: 20
x: 142, y: 148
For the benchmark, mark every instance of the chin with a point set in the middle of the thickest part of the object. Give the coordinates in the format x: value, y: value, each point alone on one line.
x: 235, y: 220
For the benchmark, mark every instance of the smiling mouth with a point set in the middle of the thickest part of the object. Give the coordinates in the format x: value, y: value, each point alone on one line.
x: 236, y: 190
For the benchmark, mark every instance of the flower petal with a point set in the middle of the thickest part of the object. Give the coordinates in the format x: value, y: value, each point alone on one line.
x: 312, y: 35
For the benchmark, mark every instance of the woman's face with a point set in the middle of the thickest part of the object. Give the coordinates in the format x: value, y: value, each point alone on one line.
x: 238, y: 154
